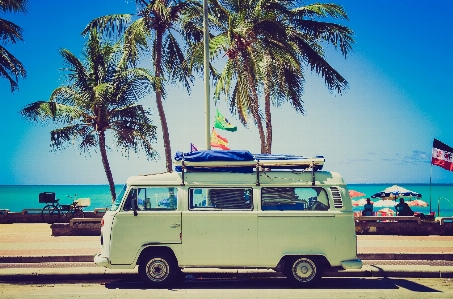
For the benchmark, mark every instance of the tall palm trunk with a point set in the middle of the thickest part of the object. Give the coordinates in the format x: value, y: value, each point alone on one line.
x: 267, y: 112
x: 160, y: 107
x: 255, y: 105
x: 105, y: 163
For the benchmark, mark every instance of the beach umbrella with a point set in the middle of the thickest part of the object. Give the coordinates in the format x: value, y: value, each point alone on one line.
x: 394, y: 192
x: 353, y: 193
x: 359, y: 202
x: 384, y: 203
x: 417, y: 203
x: 385, y: 212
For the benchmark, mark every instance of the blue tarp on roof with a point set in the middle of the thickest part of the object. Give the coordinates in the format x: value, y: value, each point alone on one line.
x: 216, y: 155
x: 237, y: 156
x: 213, y: 155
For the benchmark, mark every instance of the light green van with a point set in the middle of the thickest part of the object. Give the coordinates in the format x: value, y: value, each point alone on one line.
x: 297, y: 222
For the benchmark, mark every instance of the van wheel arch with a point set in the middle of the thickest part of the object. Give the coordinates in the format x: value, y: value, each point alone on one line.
x: 154, y: 250
x: 303, y: 270
x: 158, y: 267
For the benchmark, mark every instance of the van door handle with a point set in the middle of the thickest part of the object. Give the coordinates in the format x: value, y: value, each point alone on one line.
x: 174, y: 225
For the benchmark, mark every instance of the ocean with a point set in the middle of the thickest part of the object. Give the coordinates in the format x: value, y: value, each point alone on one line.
x: 19, y: 197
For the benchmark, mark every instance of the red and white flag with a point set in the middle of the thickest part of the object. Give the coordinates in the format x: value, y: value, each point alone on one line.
x: 442, y: 155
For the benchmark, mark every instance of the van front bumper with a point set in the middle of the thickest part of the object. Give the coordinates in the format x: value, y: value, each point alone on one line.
x: 101, y: 261
x: 352, y: 264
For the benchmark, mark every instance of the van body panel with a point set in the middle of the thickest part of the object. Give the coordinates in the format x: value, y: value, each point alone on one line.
x: 219, y: 238
x: 291, y: 233
x: 129, y: 233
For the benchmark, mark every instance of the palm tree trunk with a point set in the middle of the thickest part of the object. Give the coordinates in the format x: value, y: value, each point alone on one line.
x: 267, y: 112
x: 255, y: 106
x: 160, y: 107
x: 105, y: 163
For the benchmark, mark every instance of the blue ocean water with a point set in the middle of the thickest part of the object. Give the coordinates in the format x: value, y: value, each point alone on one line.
x: 19, y: 197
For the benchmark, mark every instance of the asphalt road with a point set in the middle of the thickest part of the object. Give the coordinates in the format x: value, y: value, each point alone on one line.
x: 233, y: 288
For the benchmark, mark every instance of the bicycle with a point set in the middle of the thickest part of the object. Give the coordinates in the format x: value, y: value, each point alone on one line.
x: 52, y: 211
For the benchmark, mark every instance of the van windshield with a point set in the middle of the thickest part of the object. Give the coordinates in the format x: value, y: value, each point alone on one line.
x: 119, y: 197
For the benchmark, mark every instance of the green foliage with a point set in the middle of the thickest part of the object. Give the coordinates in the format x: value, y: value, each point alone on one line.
x: 268, y: 44
x: 100, y: 95
x: 10, y: 67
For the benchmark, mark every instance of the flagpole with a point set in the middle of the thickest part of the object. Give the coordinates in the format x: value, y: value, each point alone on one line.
x: 206, y: 75
x: 430, y: 175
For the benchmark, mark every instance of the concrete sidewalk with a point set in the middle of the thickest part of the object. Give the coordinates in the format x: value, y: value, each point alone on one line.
x: 29, y: 252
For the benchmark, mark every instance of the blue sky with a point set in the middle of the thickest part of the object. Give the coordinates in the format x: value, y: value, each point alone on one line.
x: 379, y: 131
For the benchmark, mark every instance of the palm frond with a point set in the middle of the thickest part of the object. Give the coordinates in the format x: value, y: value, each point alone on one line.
x: 321, y: 10
x: 10, y: 32
x: 135, y: 42
x: 109, y: 25
x: 63, y: 137
x: 175, y: 62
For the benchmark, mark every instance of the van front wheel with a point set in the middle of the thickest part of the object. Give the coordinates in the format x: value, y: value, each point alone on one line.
x: 303, y: 272
x: 158, y: 270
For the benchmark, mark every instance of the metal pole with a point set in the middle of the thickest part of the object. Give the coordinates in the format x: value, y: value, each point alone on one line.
x: 430, y: 175
x: 206, y: 75
x: 438, y: 207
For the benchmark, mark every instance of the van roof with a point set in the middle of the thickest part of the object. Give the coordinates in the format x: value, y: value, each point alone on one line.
x: 242, y: 161
x: 238, y: 179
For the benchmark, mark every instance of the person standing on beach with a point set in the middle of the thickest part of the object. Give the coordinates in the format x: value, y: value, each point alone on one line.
x: 368, y: 208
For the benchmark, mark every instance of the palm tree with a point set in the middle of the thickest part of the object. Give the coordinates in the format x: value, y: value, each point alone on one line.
x: 10, y: 67
x: 305, y: 37
x: 100, y: 96
x: 156, y: 28
x: 267, y: 43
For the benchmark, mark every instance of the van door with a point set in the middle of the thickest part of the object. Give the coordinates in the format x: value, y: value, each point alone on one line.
x: 156, y: 221
x: 220, y: 228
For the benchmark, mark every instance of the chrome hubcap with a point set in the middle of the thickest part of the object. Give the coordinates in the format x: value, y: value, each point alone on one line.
x: 157, y: 269
x: 304, y: 269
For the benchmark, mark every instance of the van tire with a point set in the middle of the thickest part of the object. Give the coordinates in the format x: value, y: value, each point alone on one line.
x: 158, y: 270
x: 303, y: 272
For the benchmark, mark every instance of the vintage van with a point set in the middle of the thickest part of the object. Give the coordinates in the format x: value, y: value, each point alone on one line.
x: 232, y: 209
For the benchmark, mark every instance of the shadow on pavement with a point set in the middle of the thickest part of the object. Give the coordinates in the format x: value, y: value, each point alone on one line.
x: 412, y: 286
x: 283, y: 283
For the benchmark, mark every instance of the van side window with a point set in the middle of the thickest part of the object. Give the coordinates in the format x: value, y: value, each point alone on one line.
x: 294, y: 199
x: 152, y: 198
x: 221, y: 199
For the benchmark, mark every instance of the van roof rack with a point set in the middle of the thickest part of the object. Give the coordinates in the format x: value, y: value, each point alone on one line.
x: 243, y: 161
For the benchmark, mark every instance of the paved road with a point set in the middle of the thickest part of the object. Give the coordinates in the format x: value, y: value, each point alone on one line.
x: 234, y: 288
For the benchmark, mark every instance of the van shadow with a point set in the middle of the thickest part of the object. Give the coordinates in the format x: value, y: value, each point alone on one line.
x: 282, y: 283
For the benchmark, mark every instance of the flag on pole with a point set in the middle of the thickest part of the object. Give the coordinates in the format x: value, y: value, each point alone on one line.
x: 193, y: 148
x: 222, y: 123
x: 442, y: 155
x: 218, y: 141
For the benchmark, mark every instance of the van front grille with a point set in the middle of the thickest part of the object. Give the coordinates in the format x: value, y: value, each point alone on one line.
x: 336, y: 195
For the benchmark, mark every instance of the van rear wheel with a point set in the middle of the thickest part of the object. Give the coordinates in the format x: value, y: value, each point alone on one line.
x: 303, y: 271
x: 158, y: 270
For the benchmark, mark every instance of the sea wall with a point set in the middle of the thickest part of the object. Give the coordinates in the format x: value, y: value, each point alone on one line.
x: 425, y: 228
x: 77, y: 229
x: 34, y: 216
